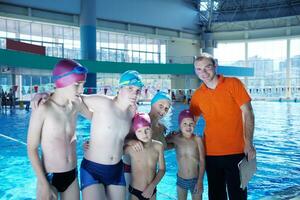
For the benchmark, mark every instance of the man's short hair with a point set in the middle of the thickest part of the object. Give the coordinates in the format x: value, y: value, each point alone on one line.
x: 205, y: 56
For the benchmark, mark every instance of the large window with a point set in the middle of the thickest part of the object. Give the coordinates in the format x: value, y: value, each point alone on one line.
x: 118, y: 47
x: 64, y: 41
x: 270, y: 62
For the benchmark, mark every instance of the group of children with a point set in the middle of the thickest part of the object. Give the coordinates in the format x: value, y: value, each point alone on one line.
x: 52, y: 126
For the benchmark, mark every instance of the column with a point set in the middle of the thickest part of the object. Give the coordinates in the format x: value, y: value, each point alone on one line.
x: 88, y: 39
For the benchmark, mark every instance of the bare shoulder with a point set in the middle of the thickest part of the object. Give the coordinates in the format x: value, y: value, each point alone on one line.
x: 198, y: 139
x: 158, y: 145
x: 96, y: 101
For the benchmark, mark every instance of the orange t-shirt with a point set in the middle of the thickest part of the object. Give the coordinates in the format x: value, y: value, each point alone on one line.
x: 220, y: 108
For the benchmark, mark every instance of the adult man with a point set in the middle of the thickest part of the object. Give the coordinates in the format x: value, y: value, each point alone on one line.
x: 228, y: 135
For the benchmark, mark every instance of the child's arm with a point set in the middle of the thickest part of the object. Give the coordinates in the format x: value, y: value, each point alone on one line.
x: 84, y: 110
x: 160, y: 173
x: 170, y: 139
x: 33, y: 141
x: 199, y: 186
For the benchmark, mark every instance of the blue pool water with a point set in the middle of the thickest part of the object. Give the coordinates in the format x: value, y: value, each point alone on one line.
x: 277, y: 139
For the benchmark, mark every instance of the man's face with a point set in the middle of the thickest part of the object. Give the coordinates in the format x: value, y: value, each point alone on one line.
x: 130, y: 94
x: 205, y: 70
x: 160, y: 108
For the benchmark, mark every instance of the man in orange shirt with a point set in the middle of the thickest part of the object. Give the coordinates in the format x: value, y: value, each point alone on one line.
x: 228, y: 136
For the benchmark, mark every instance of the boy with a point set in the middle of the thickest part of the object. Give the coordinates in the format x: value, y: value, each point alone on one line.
x: 160, y: 105
x: 52, y: 125
x: 190, y: 157
x: 144, y: 176
x: 102, y: 174
x: 101, y: 171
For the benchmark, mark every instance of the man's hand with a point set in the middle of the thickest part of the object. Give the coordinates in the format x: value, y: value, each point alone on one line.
x: 136, y: 145
x: 38, y: 99
x: 249, y: 151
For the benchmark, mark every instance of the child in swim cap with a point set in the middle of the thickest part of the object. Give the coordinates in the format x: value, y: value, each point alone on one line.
x: 144, y: 176
x: 160, y: 105
x: 52, y: 125
x: 190, y: 157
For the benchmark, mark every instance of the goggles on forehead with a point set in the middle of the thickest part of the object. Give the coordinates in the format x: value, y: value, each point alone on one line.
x: 76, y: 70
x: 133, y: 81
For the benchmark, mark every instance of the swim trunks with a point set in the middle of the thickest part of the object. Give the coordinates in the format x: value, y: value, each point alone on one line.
x: 138, y: 193
x: 187, y: 184
x: 95, y: 173
x: 62, y: 180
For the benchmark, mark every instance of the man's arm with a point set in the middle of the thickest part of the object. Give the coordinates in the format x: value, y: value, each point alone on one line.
x: 248, y: 125
x: 33, y: 142
x: 161, y: 172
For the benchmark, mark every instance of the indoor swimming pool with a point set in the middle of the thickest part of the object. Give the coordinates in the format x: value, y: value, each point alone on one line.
x: 277, y: 139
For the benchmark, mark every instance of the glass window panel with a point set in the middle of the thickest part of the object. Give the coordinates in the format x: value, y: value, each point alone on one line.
x: 11, y: 26
x: 143, y: 44
x: 120, y: 41
x: 149, y: 58
x: 36, y: 30
x: 112, y: 41
x: 24, y: 30
x: 135, y: 44
x: 273, y: 49
x: 155, y: 46
x: 142, y: 57
x: 3, y: 25
x: 104, y: 54
x: 128, y: 42
x: 68, y: 33
x: 156, y: 58
x: 104, y: 39
x: 224, y: 53
x: 47, y: 31
x: 112, y: 55
x: 150, y: 43
x: 120, y: 56
x: 128, y: 56
x: 58, y: 33
x: 135, y: 57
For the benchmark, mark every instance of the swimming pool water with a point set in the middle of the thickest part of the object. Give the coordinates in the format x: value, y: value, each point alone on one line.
x: 277, y: 139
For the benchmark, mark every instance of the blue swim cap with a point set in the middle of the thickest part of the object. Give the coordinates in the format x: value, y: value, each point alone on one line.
x: 131, y: 77
x: 160, y: 96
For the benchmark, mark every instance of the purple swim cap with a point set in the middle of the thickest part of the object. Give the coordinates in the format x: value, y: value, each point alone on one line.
x: 185, y: 114
x: 141, y: 120
x: 67, y: 72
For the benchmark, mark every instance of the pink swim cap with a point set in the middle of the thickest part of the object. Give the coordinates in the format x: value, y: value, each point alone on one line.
x: 141, y: 120
x: 67, y: 72
x: 185, y: 114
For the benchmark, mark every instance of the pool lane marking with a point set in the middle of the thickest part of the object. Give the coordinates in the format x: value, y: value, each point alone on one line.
x: 13, y: 139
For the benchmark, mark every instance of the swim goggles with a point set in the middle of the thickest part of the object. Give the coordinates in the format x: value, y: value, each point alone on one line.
x: 76, y: 70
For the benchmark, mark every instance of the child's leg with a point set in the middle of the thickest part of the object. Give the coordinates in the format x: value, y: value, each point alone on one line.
x: 72, y: 192
x: 181, y: 193
x: 116, y: 192
x: 95, y: 191
x: 128, y: 181
x: 197, y: 196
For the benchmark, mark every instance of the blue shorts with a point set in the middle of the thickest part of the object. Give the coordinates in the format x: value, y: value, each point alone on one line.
x: 95, y: 173
x: 187, y: 184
